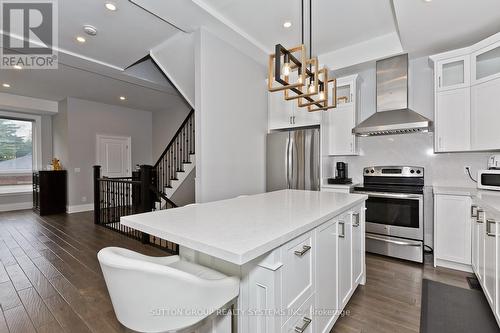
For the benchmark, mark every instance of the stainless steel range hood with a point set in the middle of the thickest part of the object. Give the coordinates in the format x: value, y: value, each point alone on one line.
x: 393, y: 115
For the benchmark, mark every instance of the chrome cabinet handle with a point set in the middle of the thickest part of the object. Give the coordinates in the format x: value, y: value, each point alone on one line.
x: 489, y: 222
x: 307, y: 322
x: 355, y: 217
x: 480, y: 219
x: 473, y: 211
x: 342, y: 235
x: 305, y: 248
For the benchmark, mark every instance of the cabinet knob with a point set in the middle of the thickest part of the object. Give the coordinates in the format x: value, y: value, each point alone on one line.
x: 480, y: 219
x: 489, y: 222
x: 342, y: 223
x: 355, y: 222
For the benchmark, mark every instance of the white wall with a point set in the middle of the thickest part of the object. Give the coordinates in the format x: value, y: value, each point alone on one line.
x: 166, y: 123
x: 75, y: 130
x: 231, y: 120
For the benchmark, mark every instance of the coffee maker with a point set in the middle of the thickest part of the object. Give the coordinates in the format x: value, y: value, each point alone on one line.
x: 340, y: 175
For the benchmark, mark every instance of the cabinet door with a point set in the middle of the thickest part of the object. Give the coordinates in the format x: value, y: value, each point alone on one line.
x: 339, y: 124
x: 279, y: 111
x: 303, y: 320
x: 475, y: 239
x: 453, y: 229
x: 298, y: 272
x: 480, y: 245
x: 346, y: 91
x: 453, y: 120
x: 490, y: 261
x: 486, y: 64
x: 358, y: 250
x: 303, y: 117
x: 345, y: 260
x: 326, y: 295
x: 485, y: 115
x: 453, y: 73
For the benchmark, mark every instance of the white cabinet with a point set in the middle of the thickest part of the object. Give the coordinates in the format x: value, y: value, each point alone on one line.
x: 287, y: 114
x: 452, y: 120
x: 339, y: 122
x: 345, y: 259
x: 303, y: 320
x: 486, y: 255
x: 453, y: 73
x: 467, y: 95
x: 485, y: 115
x: 452, y: 232
x: 326, y: 286
x: 358, y: 249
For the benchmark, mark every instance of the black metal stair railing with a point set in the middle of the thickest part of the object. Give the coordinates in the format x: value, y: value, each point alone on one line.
x: 178, y: 152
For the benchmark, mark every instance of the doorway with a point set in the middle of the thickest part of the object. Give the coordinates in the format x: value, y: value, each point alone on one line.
x: 114, y: 155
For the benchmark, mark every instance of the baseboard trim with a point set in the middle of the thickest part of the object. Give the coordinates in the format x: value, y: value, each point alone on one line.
x: 79, y: 208
x: 453, y: 265
x: 16, y: 206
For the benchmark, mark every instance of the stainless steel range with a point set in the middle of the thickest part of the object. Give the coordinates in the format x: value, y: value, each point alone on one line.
x: 394, y: 211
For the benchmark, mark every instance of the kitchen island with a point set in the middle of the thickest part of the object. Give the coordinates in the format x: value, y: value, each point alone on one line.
x: 299, y: 254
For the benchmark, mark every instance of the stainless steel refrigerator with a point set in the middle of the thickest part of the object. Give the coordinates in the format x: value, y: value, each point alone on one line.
x: 293, y: 160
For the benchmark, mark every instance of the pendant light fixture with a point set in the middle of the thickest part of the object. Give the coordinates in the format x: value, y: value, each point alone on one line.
x: 300, y: 78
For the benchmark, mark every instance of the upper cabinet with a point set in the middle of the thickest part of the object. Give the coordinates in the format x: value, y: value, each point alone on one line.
x: 288, y: 114
x: 467, y: 95
x: 453, y: 73
x: 339, y: 122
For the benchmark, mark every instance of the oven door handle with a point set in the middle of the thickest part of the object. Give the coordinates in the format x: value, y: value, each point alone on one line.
x: 397, y: 242
x: 392, y: 195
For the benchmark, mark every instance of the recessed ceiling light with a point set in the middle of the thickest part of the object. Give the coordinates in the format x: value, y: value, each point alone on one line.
x: 123, y: 98
x: 287, y: 24
x: 80, y: 39
x: 111, y: 6
x: 427, y: 0
x: 6, y: 85
x: 18, y: 67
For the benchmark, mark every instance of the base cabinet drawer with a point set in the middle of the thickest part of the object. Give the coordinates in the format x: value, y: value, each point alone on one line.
x: 302, y: 321
x: 298, y: 272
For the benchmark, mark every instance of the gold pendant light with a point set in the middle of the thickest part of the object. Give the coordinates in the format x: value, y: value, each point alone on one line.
x: 300, y: 78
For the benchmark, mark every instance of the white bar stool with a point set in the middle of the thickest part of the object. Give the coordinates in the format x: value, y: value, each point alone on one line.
x: 164, y: 294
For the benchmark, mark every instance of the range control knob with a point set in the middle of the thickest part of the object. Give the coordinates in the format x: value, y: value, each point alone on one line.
x: 367, y: 171
x: 412, y: 171
x: 372, y: 171
x: 419, y: 172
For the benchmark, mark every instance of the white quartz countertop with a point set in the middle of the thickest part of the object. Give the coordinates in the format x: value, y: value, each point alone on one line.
x: 340, y: 186
x: 485, y: 198
x: 241, y: 229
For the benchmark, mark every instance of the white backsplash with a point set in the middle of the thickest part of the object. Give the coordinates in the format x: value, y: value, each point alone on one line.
x: 445, y: 169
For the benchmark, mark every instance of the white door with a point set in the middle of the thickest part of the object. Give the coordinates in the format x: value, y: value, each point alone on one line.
x: 339, y: 125
x: 358, y: 250
x: 453, y: 73
x: 490, y: 261
x: 280, y: 111
x: 453, y: 120
x: 326, y: 295
x: 114, y: 156
x: 345, y: 259
x: 302, y: 117
x: 486, y: 64
x: 485, y: 115
x: 453, y: 228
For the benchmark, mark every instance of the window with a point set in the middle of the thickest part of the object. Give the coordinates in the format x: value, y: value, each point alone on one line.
x: 16, y: 152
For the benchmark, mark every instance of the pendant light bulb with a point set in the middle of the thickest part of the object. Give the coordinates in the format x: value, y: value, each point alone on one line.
x: 312, y: 88
x: 321, y: 95
x: 285, y: 70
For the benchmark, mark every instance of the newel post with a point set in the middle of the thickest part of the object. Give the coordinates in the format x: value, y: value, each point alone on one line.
x: 97, y: 195
x: 147, y: 203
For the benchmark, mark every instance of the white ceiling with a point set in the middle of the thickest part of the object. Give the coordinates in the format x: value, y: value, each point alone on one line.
x: 123, y: 37
x: 67, y: 81
x: 336, y: 24
x: 442, y: 25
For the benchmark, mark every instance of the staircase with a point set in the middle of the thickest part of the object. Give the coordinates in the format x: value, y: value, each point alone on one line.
x: 175, y: 163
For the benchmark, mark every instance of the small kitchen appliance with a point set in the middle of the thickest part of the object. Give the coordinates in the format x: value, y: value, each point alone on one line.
x: 394, y: 211
x: 494, y: 162
x: 488, y: 179
x: 341, y: 175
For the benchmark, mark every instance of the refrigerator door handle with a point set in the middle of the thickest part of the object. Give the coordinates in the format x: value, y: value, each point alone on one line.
x: 288, y: 161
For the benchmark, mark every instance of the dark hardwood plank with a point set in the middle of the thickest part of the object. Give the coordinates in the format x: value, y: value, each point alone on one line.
x: 18, y: 321
x: 35, y: 307
x: 8, y: 296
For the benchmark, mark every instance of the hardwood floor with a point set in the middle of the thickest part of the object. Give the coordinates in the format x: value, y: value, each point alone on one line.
x: 50, y: 280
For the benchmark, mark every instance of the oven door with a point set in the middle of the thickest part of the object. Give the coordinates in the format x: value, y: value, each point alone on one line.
x: 395, y: 214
